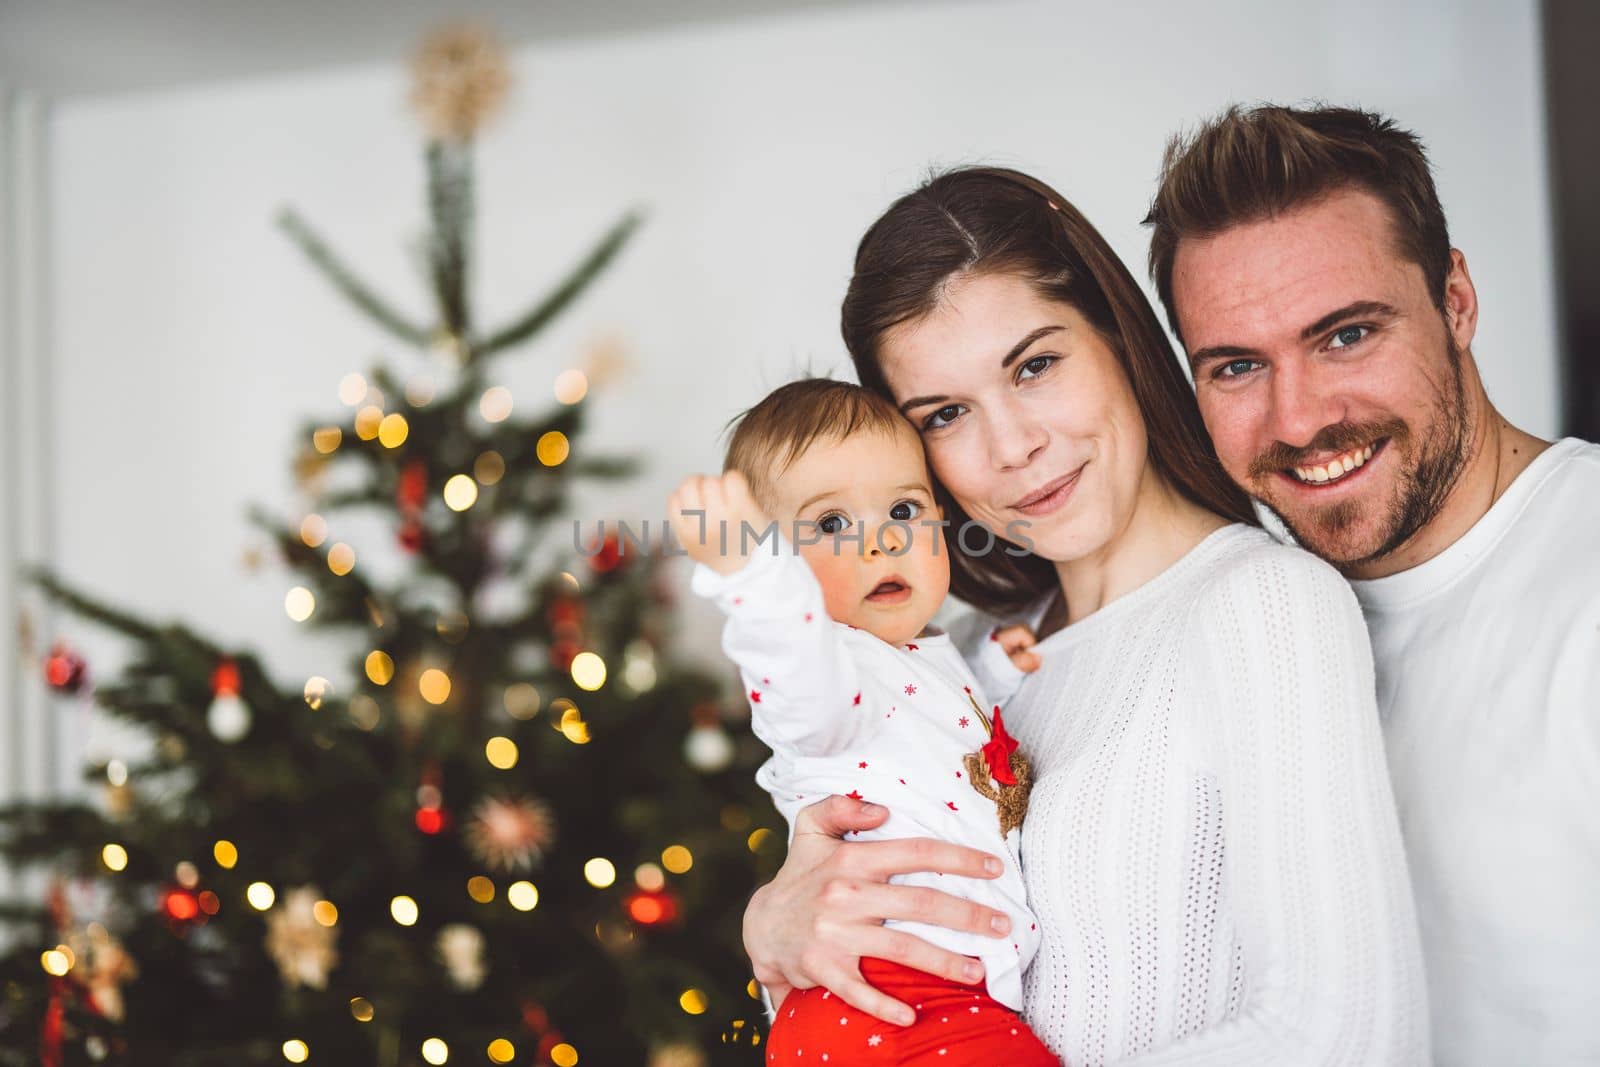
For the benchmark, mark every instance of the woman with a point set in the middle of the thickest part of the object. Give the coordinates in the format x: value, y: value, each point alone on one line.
x: 1211, y: 843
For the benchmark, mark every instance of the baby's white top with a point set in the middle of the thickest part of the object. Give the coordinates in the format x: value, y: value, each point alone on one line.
x: 844, y: 712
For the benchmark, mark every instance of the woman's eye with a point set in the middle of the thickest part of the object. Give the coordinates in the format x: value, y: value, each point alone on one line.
x: 943, y: 417
x: 1236, y: 368
x: 831, y: 524
x: 905, y: 511
x: 1346, y: 336
x: 1036, y: 366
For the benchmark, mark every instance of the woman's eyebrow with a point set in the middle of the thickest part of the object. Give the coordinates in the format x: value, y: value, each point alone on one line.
x: 1010, y: 357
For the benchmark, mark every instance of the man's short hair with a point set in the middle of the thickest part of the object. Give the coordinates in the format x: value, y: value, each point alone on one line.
x: 1251, y: 164
x: 777, y: 431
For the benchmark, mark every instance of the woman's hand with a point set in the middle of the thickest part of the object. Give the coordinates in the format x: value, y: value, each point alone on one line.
x: 811, y: 924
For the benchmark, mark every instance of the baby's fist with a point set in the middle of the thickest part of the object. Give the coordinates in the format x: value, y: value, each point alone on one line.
x: 1018, y: 642
x: 707, y: 513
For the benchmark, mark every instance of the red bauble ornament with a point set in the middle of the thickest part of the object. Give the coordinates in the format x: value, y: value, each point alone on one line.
x: 562, y: 653
x: 64, y: 669
x: 564, y: 611
x: 413, y: 487
x: 225, y: 679
x: 651, y: 909
x: 430, y: 820
x: 609, y: 555
x: 412, y: 536
x: 182, y: 907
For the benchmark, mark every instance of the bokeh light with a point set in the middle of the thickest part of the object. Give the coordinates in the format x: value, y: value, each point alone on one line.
x: 501, y: 753
x: 325, y: 912
x: 600, y: 872
x: 489, y: 468
x: 393, y: 430
x: 296, y: 1051
x: 115, y: 857
x: 299, y: 603
x: 571, y: 386
x: 380, y: 667
x: 693, y: 1001
x: 677, y: 859
x: 352, y: 388
x: 435, y: 1051
x: 495, y: 404
x: 404, y: 910
x: 260, y: 895
x: 341, y: 559
x: 564, y: 1055
x: 361, y: 1009
x: 552, y: 449
x: 588, y: 671
x: 313, y: 530
x: 316, y: 691
x: 524, y: 896
x: 325, y: 439
x: 226, y: 853
x: 522, y: 701
x: 460, y: 492
x: 434, y: 685
x: 368, y: 419
x: 501, y: 1051
x: 480, y: 889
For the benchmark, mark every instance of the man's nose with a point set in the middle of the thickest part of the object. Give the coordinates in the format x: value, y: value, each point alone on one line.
x: 1302, y: 403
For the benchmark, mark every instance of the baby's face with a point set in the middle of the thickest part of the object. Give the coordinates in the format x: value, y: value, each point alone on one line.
x: 873, y: 486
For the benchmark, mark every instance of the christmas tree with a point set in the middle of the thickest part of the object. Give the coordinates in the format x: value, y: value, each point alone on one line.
x: 505, y: 835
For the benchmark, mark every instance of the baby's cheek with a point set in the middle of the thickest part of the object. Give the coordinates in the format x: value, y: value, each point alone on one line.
x: 835, y: 578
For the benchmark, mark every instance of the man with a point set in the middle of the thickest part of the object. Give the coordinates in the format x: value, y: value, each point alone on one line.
x: 1304, y: 263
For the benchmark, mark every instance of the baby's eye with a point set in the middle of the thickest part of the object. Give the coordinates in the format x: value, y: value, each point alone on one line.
x: 905, y: 511
x: 832, y: 523
x: 941, y: 418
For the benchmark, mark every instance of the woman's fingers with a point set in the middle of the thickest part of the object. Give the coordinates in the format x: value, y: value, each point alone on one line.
x: 836, y: 816
x: 878, y: 860
x: 909, y: 950
x: 851, y: 988
x: 1015, y: 638
x: 847, y: 902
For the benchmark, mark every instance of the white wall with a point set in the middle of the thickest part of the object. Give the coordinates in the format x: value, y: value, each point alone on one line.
x: 189, y: 338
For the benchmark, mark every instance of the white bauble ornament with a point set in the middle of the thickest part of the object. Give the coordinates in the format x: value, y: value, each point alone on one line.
x: 229, y: 717
x: 708, y: 748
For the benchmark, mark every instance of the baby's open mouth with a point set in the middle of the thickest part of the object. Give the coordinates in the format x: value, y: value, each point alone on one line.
x: 889, y: 590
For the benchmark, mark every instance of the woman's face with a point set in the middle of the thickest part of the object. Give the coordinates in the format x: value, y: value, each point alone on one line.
x: 1026, y: 414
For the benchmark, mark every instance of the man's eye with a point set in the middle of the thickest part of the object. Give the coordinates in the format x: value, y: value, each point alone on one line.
x: 1349, y: 335
x: 943, y: 417
x: 831, y: 523
x: 905, y: 511
x: 1236, y: 368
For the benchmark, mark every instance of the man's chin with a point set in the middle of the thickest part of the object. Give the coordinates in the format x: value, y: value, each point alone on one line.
x: 1344, y: 534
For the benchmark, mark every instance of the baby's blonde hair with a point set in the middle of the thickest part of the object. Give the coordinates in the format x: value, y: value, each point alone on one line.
x: 777, y: 431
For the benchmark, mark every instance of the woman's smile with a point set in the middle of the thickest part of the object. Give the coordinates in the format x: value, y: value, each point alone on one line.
x: 1049, y: 497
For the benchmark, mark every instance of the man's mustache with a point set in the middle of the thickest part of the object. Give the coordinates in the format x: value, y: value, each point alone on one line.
x: 1340, y: 437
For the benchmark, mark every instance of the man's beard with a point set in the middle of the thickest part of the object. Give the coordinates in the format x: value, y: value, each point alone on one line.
x: 1423, y: 488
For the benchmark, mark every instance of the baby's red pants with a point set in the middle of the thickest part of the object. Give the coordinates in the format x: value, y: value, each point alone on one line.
x: 957, y: 1026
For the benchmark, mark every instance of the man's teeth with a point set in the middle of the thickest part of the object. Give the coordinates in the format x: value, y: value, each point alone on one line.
x: 1335, y: 469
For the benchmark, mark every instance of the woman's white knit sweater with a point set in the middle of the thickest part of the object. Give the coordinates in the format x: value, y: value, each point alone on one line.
x: 1211, y: 843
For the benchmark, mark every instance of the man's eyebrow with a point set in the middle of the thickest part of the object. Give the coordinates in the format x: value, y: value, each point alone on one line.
x: 1360, y: 309
x: 1010, y: 358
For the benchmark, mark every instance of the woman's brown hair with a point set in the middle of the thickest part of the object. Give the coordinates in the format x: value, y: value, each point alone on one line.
x: 990, y: 220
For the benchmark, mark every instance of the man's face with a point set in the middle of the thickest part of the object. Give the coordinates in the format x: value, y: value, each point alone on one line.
x: 1328, y: 378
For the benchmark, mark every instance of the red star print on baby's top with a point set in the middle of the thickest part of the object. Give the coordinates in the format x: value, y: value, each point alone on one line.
x: 755, y: 696
x: 910, y: 689
x: 911, y: 648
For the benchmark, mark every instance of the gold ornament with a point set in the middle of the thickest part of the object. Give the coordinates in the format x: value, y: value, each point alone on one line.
x: 301, y: 946
x: 460, y: 949
x: 678, y: 1054
x: 461, y: 79
x: 103, y: 965
x: 510, y: 833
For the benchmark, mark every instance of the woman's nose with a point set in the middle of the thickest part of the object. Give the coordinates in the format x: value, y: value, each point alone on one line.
x: 1014, y: 439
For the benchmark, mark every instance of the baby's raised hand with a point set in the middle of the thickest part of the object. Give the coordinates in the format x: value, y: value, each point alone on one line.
x: 1018, y: 642
x: 707, y: 511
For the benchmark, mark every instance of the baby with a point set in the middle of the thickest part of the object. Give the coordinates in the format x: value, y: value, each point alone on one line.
x: 857, y: 694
